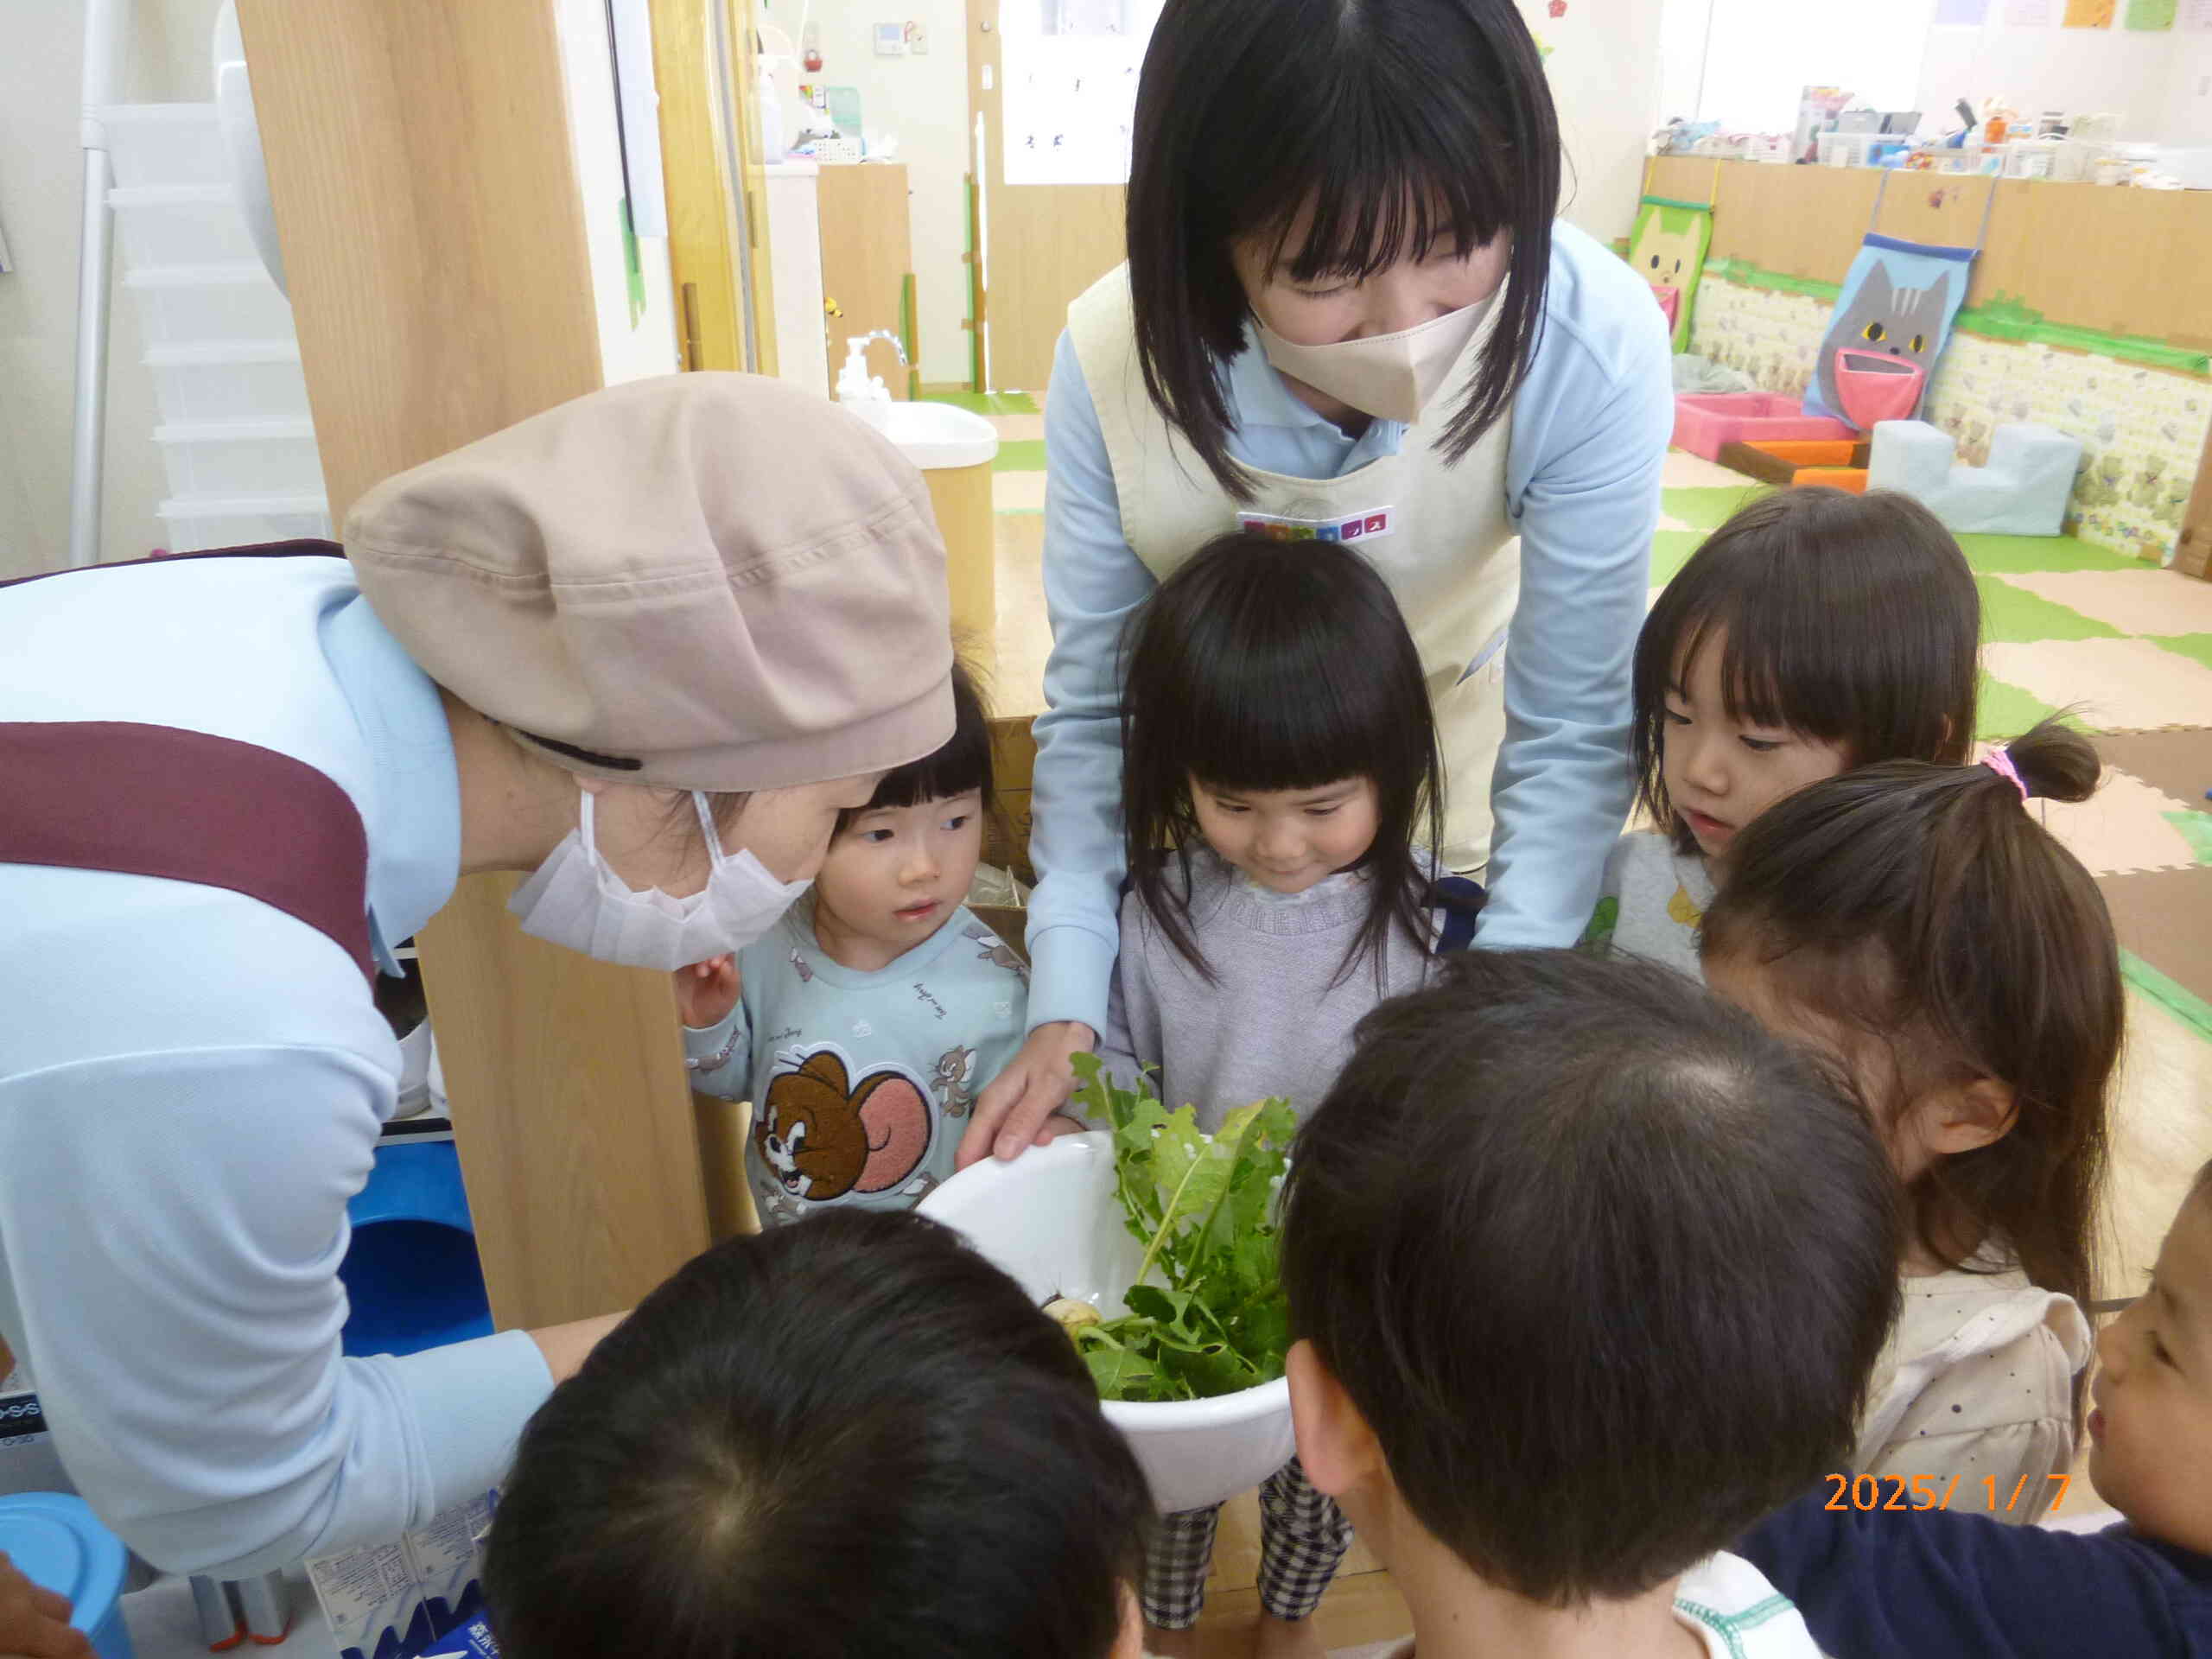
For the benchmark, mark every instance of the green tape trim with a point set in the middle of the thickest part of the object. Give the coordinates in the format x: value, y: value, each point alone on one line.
x: 1746, y: 275
x: 2005, y: 318
x: 2182, y: 1003
x: 1676, y: 201
x: 2001, y: 318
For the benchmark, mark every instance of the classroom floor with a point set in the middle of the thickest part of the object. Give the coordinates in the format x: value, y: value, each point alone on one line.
x: 2066, y: 625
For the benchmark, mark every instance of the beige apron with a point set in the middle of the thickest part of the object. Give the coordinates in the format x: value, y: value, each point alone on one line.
x: 1440, y: 536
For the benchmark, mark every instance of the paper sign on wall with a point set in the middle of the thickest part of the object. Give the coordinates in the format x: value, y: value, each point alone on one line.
x: 2088, y: 14
x: 2196, y: 14
x: 1069, y: 75
x: 2150, y: 14
x: 1968, y: 13
x: 2031, y: 14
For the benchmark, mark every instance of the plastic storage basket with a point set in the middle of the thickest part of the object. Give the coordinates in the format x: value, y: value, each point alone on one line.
x: 196, y: 524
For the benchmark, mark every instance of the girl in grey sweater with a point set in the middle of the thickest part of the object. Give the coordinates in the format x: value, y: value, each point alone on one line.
x: 1282, y: 794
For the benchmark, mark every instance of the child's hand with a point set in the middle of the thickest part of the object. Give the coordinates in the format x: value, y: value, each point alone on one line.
x: 707, y: 991
x: 35, y: 1621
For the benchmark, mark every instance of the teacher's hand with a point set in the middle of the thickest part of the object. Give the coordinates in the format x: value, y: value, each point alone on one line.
x: 34, y: 1623
x: 1010, y: 1114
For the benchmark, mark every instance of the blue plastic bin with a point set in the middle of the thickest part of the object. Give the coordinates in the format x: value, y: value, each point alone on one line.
x: 411, y: 1273
x: 58, y: 1543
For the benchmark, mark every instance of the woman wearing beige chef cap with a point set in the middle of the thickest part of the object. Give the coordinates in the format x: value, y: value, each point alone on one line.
x: 643, y: 646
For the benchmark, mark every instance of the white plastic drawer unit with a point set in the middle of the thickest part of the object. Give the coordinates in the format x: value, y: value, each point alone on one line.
x: 192, y: 305
x: 165, y: 224
x: 193, y: 524
x: 224, y: 380
x: 151, y: 144
x: 241, y: 458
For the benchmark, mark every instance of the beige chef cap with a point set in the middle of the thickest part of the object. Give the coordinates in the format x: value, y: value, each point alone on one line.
x: 707, y: 581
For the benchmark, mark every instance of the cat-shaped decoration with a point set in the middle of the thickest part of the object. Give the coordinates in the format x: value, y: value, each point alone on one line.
x: 1874, y: 362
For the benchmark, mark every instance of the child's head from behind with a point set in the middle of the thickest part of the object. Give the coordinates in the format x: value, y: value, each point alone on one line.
x: 1274, y: 707
x: 1588, y: 1271
x: 853, y: 1435
x: 1920, y: 926
x: 899, y: 865
x: 2150, y: 1436
x: 1814, y: 632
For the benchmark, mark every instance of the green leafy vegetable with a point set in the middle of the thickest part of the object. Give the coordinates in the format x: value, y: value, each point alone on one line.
x: 1206, y: 1313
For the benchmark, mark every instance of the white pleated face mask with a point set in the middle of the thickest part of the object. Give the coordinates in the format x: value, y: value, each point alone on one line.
x: 1389, y: 376
x: 575, y: 900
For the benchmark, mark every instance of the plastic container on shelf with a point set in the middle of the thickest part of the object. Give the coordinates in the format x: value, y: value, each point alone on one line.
x: 223, y: 380
x: 195, y: 305
x: 2030, y: 158
x: 194, y: 524
x: 241, y: 458
x: 156, y: 144
x: 182, y: 225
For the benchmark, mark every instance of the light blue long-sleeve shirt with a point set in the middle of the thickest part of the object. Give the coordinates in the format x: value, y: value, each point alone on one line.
x: 1589, y: 440
x: 193, y: 1083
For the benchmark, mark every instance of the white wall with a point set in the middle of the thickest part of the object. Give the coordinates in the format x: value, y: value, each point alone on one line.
x: 923, y: 101
x: 41, y: 70
x: 2148, y: 76
x: 1894, y: 57
x: 1605, y: 69
x: 1761, y: 54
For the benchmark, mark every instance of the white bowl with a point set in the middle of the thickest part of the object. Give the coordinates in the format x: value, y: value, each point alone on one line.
x: 1050, y: 1220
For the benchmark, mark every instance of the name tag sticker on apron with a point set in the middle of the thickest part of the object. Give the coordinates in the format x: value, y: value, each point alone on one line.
x: 1366, y: 526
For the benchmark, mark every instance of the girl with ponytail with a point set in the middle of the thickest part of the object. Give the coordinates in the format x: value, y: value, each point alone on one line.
x: 1918, y: 925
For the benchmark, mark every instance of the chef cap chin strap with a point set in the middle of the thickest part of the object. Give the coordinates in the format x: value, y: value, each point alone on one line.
x: 569, y: 751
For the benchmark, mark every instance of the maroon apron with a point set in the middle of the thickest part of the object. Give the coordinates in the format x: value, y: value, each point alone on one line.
x: 144, y: 799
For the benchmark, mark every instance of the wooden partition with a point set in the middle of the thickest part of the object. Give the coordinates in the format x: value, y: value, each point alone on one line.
x: 427, y: 200
x: 2097, y: 257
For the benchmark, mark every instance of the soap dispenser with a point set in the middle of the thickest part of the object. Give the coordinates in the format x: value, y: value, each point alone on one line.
x: 859, y: 392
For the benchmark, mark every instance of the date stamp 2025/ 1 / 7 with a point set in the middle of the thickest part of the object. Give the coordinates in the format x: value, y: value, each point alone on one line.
x: 1921, y: 1492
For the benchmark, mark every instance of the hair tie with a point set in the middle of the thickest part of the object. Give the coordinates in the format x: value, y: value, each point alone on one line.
x: 2000, y: 760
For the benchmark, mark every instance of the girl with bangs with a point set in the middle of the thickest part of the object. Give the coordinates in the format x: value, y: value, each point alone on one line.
x: 1348, y: 314
x: 1815, y: 632
x: 1284, y: 798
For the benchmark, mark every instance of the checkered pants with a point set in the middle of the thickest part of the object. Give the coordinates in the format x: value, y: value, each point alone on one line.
x: 1303, y: 1536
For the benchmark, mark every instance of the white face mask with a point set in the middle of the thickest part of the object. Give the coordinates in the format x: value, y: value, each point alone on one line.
x: 1391, y: 376
x: 575, y: 900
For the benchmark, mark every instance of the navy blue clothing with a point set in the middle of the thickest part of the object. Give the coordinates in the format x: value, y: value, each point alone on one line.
x: 1881, y: 1584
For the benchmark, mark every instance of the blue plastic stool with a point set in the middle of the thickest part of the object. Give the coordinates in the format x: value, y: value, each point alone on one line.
x: 411, y: 1272
x: 59, y: 1545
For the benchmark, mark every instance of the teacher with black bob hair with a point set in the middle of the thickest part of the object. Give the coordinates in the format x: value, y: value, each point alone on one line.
x: 645, y: 645
x: 1348, y: 313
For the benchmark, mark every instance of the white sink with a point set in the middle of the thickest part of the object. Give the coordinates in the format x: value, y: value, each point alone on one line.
x: 934, y: 436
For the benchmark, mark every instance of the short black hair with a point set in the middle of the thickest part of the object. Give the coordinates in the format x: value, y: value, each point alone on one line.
x: 855, y: 1436
x: 1403, y: 124
x: 1602, y: 1264
x: 963, y: 763
x: 1854, y: 619
x: 1262, y: 664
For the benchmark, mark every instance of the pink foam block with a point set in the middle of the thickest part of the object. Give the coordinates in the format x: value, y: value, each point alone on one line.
x: 1705, y: 422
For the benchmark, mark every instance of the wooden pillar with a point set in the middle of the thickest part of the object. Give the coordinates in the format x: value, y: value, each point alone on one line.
x: 427, y: 200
